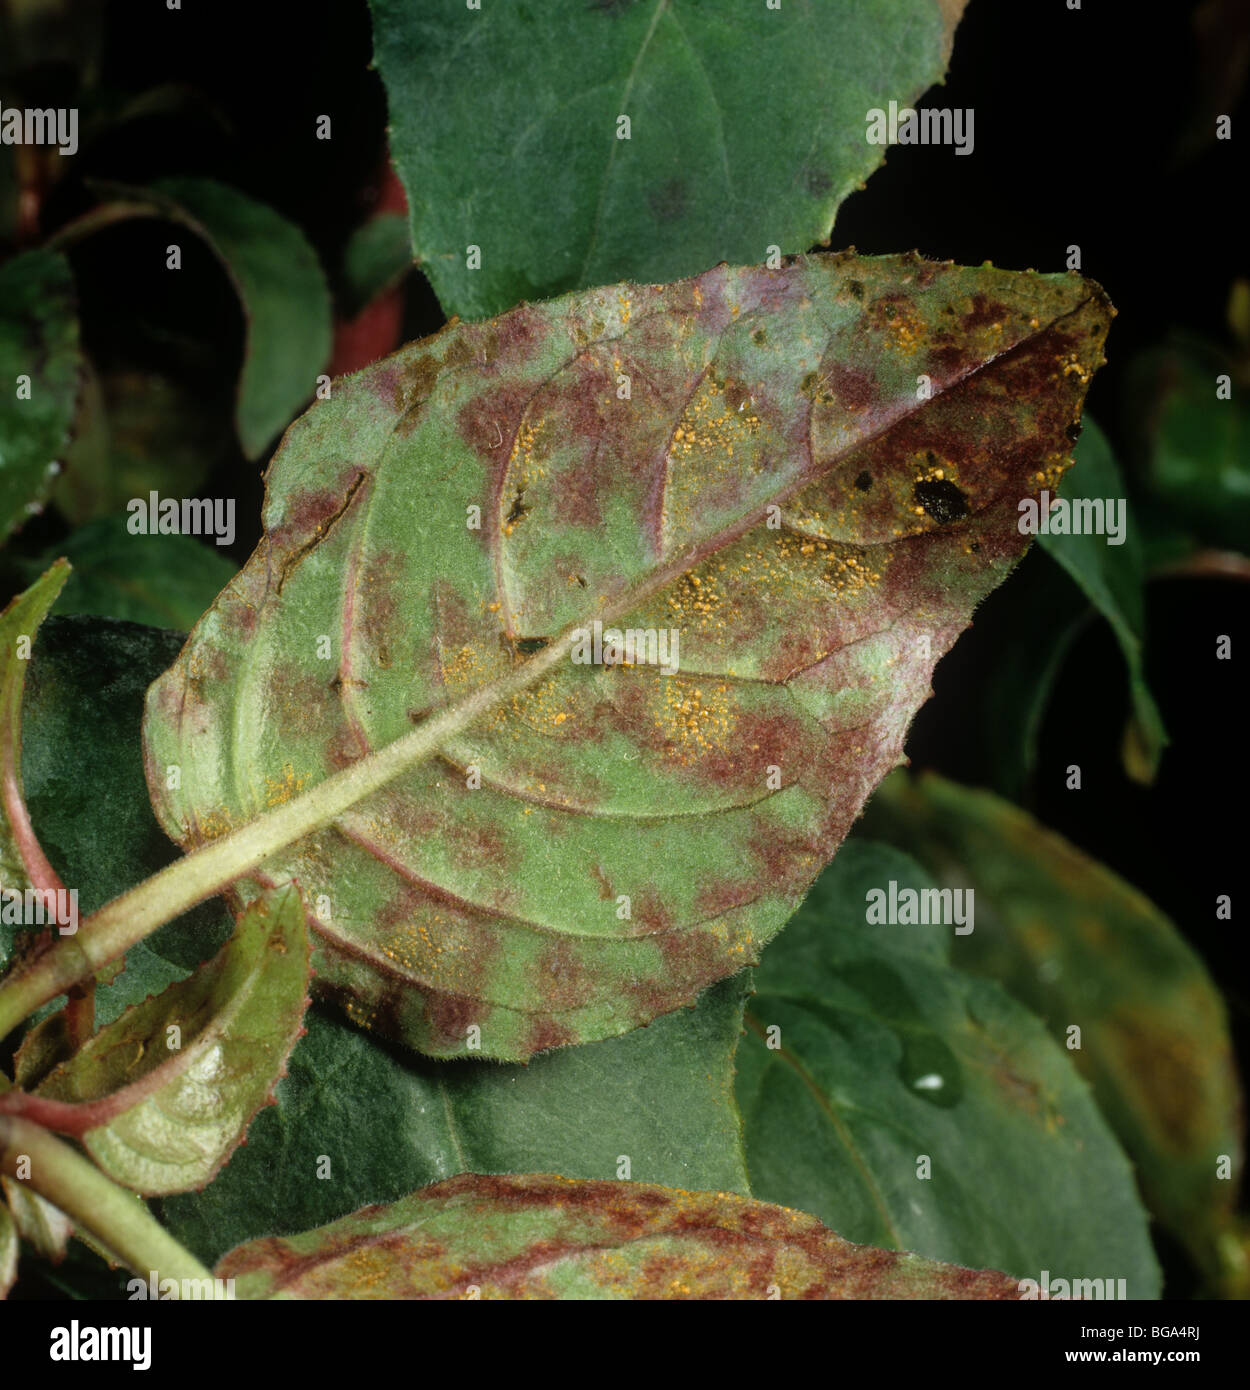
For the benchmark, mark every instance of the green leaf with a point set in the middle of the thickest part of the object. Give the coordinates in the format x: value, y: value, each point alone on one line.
x: 284, y: 295
x: 164, y: 581
x: 1195, y: 447
x: 82, y: 768
x: 774, y: 490
x: 662, y: 1097
x: 1113, y: 578
x: 163, y: 1095
x: 285, y: 299
x: 748, y: 128
x: 887, y: 1057
x: 377, y: 257
x: 537, y: 1236
x: 39, y: 341
x: 1083, y: 948
x: 22, y: 861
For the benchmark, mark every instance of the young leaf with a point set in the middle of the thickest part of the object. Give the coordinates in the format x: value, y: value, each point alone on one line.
x: 536, y: 1236
x: 770, y: 484
x: 660, y: 1097
x: 914, y: 1107
x: 40, y: 366
x: 162, y: 1096
x: 680, y: 136
x: 1085, y: 949
x: 1113, y: 578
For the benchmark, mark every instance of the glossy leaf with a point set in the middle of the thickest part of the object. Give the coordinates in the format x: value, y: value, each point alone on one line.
x: 911, y: 1106
x: 1113, y: 578
x: 547, y: 1237
x: 38, y: 341
x: 82, y: 769
x: 773, y: 490
x: 1085, y: 949
x: 748, y: 126
x: 163, y: 581
x: 660, y: 1097
x: 164, y: 1094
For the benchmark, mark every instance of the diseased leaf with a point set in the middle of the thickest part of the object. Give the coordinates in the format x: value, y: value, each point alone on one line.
x: 774, y: 488
x: 911, y: 1106
x: 38, y: 341
x: 82, y: 769
x: 1085, y: 949
x: 164, y: 581
x: 162, y: 1110
x: 1113, y: 578
x: 748, y: 126
x: 538, y: 1236
x: 285, y: 299
x: 660, y: 1097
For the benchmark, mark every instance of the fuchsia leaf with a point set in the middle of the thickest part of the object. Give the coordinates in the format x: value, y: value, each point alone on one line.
x: 809, y: 474
x: 547, y: 1237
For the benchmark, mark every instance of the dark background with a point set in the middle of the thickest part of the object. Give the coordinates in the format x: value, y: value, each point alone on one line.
x: 1093, y: 127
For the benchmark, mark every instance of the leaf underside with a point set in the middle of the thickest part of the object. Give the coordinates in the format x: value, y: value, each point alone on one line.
x: 773, y: 486
x: 168, y: 1109
x: 542, y: 1237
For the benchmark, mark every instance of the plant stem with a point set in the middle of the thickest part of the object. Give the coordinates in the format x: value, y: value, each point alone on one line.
x: 121, y: 924
x: 113, y: 1215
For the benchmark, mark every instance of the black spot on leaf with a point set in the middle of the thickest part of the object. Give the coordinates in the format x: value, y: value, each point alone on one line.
x: 942, y: 500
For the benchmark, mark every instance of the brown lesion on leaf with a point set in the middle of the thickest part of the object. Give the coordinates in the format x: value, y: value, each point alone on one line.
x: 321, y: 531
